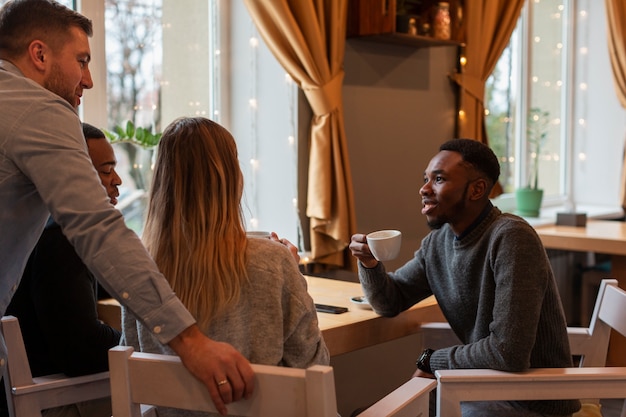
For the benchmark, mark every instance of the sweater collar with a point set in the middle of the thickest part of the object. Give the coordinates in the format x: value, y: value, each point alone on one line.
x: 476, y: 222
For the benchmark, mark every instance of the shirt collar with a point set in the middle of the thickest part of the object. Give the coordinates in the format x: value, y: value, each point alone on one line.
x: 9, y: 67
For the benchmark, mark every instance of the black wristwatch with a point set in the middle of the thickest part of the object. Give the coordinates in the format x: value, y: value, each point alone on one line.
x: 423, y: 362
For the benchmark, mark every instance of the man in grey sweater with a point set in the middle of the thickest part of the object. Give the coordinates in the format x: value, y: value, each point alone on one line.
x: 490, y: 275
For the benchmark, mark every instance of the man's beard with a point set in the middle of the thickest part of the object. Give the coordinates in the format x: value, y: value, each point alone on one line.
x: 458, y: 207
x: 54, y: 82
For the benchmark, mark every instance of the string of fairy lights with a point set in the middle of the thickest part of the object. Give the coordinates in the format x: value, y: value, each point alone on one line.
x: 255, y: 164
x: 254, y: 131
x: 215, y: 62
x: 582, y: 25
x: 253, y: 143
x: 558, y: 86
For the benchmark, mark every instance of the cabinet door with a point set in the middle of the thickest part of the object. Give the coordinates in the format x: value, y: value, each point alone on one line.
x: 371, y: 17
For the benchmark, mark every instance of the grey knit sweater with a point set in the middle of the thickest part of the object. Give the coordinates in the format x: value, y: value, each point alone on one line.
x: 496, y: 288
x: 274, y: 323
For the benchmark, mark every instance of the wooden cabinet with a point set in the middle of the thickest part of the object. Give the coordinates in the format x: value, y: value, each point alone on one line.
x: 371, y: 17
x: 382, y: 20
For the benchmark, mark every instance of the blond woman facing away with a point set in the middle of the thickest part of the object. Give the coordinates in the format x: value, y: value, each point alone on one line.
x: 247, y: 292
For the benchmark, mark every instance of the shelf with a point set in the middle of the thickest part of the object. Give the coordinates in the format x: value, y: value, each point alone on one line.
x: 404, y: 39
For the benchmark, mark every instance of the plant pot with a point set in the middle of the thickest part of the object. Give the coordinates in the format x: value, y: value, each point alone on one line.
x: 528, y: 202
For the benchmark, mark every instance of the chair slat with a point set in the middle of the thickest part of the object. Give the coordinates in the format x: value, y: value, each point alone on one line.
x: 28, y: 396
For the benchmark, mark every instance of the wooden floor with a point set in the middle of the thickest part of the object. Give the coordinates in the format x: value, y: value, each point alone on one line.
x: 611, y: 408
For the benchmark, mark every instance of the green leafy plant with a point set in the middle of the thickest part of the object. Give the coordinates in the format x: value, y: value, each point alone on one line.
x: 537, y: 128
x: 139, y: 144
x: 141, y: 136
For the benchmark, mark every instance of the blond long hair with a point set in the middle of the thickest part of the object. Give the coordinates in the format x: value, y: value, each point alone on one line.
x: 194, y: 228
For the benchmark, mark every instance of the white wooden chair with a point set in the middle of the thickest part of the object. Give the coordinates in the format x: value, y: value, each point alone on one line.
x: 161, y: 380
x: 411, y: 399
x: 591, y: 380
x: 28, y: 396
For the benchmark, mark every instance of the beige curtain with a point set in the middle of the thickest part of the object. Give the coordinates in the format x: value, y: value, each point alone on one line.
x: 308, y: 39
x: 486, y: 32
x: 616, y: 15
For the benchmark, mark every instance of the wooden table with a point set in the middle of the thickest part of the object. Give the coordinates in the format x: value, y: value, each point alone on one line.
x: 359, y: 328
x: 599, y: 236
x: 346, y: 332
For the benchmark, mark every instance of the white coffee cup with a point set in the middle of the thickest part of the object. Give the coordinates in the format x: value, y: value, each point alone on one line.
x: 257, y: 234
x: 385, y: 244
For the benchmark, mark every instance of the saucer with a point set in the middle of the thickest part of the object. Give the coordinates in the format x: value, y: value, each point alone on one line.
x: 361, y: 302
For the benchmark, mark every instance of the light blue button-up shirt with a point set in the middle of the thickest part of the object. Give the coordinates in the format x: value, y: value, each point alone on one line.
x: 45, y: 168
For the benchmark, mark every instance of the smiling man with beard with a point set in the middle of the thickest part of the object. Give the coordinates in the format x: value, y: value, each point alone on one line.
x: 490, y: 274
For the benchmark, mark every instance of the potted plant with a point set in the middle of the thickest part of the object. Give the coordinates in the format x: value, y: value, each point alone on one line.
x: 138, y: 143
x: 529, y: 197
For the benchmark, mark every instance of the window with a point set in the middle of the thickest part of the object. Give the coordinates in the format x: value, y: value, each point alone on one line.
x: 161, y: 61
x: 546, y: 72
x: 164, y: 61
x: 528, y: 85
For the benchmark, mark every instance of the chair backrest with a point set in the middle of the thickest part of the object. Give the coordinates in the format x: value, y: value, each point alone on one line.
x: 609, y: 312
x: 162, y: 380
x: 27, y: 396
x: 411, y: 399
x: 592, y: 380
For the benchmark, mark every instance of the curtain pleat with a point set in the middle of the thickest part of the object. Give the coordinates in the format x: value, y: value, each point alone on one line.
x: 616, y: 17
x: 308, y: 37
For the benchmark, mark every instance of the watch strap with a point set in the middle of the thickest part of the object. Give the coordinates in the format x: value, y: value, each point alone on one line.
x: 423, y: 362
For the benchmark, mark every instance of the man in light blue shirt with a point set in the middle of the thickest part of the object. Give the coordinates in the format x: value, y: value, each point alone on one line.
x: 45, y: 170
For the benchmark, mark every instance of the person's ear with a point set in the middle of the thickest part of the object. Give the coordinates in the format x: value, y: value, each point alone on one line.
x: 38, y: 53
x: 478, y: 189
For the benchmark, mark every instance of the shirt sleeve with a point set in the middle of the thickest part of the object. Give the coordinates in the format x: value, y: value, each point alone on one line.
x: 52, y: 154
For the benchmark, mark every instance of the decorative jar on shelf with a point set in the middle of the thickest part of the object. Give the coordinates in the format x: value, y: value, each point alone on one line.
x: 441, y: 21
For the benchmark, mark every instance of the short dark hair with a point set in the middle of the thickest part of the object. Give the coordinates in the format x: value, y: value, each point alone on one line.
x: 92, y: 132
x: 23, y: 21
x: 477, y: 154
